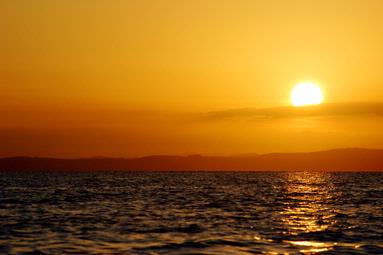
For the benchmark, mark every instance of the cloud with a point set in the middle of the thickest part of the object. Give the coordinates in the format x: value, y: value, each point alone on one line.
x: 324, y: 110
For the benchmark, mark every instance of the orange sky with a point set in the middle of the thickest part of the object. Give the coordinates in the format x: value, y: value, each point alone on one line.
x: 128, y: 78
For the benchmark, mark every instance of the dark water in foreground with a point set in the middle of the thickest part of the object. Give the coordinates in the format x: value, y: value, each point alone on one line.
x: 191, y: 213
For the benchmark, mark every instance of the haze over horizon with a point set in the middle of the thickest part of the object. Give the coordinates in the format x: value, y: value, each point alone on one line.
x: 135, y: 78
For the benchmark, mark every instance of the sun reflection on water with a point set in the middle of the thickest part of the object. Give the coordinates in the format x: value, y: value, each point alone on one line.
x: 307, y: 209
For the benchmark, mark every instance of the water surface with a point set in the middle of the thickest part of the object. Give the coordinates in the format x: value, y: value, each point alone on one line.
x: 191, y: 213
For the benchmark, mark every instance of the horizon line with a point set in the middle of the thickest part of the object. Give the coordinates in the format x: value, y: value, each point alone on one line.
x: 241, y: 155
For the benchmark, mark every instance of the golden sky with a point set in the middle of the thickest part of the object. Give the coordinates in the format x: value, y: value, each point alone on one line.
x: 128, y: 78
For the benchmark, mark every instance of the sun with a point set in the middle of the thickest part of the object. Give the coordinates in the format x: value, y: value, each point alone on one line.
x: 306, y: 93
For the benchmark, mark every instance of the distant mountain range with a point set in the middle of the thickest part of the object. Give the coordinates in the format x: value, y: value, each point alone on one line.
x: 331, y: 160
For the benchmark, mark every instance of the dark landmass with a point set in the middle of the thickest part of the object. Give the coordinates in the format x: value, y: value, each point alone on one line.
x: 332, y: 160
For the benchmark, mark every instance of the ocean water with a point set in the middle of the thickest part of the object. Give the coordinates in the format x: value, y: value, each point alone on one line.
x: 191, y: 213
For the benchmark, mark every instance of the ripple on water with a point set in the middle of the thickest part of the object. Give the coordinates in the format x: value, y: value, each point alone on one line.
x: 191, y: 213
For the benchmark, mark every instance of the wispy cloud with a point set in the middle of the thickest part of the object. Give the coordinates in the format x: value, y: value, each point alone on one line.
x: 339, y: 109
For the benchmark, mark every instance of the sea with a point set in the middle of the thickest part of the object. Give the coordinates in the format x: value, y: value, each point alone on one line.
x: 191, y: 213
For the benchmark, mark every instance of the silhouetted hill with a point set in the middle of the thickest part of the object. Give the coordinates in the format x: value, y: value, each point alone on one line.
x: 332, y: 160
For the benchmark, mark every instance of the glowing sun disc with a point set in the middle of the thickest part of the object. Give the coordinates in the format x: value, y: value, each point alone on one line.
x: 306, y: 93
